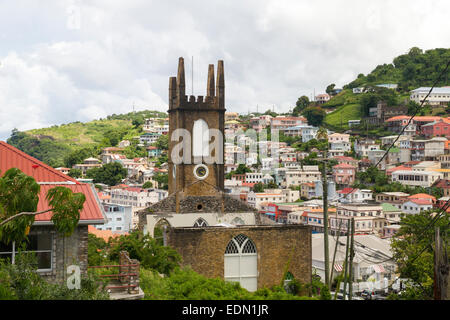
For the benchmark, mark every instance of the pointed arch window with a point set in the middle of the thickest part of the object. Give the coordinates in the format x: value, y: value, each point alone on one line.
x: 241, y: 262
x: 200, y: 222
x: 200, y: 139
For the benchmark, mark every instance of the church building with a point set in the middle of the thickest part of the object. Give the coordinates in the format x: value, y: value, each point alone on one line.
x: 216, y: 235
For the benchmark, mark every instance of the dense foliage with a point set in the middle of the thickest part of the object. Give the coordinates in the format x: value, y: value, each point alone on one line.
x: 411, y: 70
x: 68, y: 144
x: 413, y: 252
x: 110, y: 173
x: 301, y: 104
x: 19, y: 194
x: 185, y: 284
x: 162, y: 179
x: 314, y: 115
x: 151, y: 254
x: 44, y: 148
x: 377, y: 181
x: 20, y: 281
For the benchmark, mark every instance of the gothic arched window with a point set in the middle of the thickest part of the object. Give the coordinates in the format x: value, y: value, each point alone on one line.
x: 200, y: 222
x: 241, y: 262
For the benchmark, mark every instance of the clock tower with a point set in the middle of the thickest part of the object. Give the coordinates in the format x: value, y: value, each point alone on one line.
x: 196, y: 141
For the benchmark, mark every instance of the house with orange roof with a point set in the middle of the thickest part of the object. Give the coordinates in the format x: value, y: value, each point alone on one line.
x: 104, y: 234
x: 423, y: 196
x: 53, y: 251
x: 415, y: 206
x: 347, y: 160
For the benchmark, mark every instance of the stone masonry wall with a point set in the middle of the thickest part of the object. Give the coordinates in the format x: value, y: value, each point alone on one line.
x: 66, y: 251
x: 204, y: 248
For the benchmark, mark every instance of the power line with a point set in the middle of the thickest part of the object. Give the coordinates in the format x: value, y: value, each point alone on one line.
x: 410, y: 119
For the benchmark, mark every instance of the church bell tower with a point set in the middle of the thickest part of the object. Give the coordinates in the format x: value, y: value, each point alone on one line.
x: 196, y: 141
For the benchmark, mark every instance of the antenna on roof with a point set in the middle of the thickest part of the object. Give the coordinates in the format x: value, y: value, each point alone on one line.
x: 192, y: 72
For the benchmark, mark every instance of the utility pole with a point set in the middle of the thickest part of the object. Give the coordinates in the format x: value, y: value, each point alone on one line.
x: 437, y: 256
x: 346, y: 258
x: 352, y: 253
x: 334, y: 253
x: 441, y: 268
x: 325, y: 221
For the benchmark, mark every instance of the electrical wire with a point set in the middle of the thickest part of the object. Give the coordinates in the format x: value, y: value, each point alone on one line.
x: 410, y: 119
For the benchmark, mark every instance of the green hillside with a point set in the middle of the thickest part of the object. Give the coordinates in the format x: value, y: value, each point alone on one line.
x: 66, y: 144
x: 417, y: 68
x: 410, y: 71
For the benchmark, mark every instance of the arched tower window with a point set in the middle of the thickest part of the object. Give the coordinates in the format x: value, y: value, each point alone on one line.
x: 241, y: 262
x: 200, y: 222
x: 200, y: 139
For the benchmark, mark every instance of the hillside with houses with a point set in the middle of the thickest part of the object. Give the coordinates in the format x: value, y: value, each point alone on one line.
x: 375, y: 169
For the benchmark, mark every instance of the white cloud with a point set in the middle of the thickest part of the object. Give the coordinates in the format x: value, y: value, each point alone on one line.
x: 77, y: 60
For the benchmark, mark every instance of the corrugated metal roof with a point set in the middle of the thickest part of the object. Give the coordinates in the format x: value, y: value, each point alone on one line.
x: 11, y: 157
x: 91, y: 209
x: 48, y: 177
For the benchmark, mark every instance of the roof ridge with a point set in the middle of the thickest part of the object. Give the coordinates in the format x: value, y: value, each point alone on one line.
x: 36, y: 161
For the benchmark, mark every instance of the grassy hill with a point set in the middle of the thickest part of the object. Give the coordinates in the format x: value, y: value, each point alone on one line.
x: 67, y: 143
x: 410, y: 71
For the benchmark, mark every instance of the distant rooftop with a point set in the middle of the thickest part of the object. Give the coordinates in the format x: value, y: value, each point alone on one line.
x: 444, y: 90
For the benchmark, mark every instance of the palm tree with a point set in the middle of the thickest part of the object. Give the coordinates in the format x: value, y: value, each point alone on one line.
x: 322, y: 134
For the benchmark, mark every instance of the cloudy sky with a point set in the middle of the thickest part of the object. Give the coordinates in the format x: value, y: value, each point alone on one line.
x: 77, y: 60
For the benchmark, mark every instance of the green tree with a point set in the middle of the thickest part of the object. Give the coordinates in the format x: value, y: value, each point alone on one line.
x: 330, y: 88
x: 21, y: 281
x: 78, y: 156
x: 111, y: 173
x: 144, y: 248
x: 413, y: 251
x: 162, y: 179
x: 314, y: 115
x: 242, y: 169
x: 75, y: 173
x: 258, y: 187
x: 19, y: 197
x: 163, y: 142
x: 137, y: 122
x: 301, y: 104
x: 147, y: 184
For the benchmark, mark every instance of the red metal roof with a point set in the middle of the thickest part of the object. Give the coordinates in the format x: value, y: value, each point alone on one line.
x: 347, y: 190
x: 11, y: 157
x: 91, y: 208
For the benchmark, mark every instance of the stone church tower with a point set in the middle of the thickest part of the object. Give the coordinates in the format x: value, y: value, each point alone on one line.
x: 199, y: 170
x: 196, y: 160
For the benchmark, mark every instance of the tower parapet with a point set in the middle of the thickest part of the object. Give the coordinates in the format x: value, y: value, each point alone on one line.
x: 215, y: 92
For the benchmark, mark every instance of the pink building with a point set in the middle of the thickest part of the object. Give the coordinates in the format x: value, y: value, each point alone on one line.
x: 437, y: 128
x: 282, y: 123
x: 344, y: 174
x: 260, y: 123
